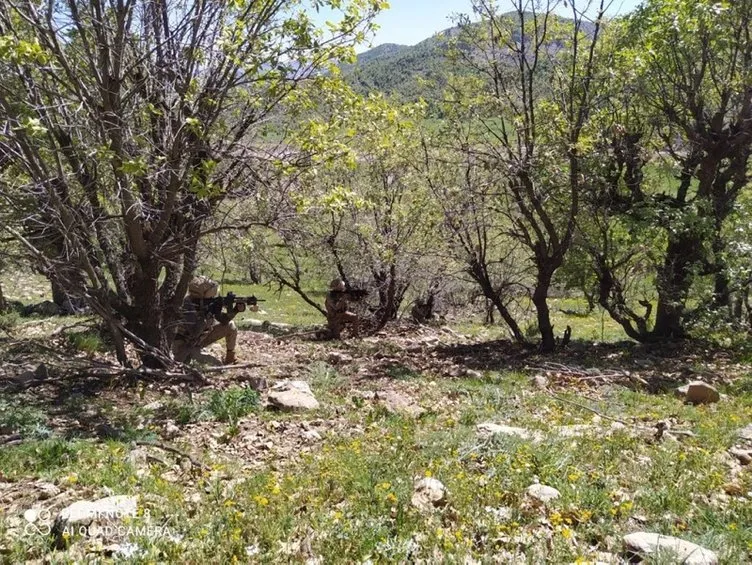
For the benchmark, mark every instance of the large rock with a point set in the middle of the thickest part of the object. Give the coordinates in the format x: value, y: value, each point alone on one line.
x: 108, y: 508
x: 396, y: 403
x: 543, y: 493
x: 688, y: 553
x: 293, y: 395
x: 698, y: 392
x: 745, y: 432
x: 91, y: 517
x: 429, y: 493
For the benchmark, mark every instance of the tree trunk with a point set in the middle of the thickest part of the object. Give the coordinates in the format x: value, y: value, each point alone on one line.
x: 540, y: 300
x: 674, y: 281
x: 479, y: 273
x: 3, y: 305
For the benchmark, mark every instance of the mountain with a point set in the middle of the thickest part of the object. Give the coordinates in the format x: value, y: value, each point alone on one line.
x: 409, y: 72
x: 397, y: 69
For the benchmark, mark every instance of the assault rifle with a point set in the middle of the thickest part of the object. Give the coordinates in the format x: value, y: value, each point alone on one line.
x: 351, y: 293
x: 214, y: 305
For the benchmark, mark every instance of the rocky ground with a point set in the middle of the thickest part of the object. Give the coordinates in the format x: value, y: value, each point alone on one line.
x: 419, y: 444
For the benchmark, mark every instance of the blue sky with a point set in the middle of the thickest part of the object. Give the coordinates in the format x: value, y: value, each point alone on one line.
x: 409, y: 21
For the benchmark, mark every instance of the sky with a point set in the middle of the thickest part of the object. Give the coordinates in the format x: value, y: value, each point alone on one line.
x: 408, y: 22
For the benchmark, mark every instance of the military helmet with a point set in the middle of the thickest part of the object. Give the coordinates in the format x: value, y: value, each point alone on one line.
x: 202, y: 287
x: 337, y: 284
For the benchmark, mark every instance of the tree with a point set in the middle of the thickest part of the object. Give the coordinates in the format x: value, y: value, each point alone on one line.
x: 682, y: 97
x: 362, y: 211
x: 131, y: 121
x: 533, y: 110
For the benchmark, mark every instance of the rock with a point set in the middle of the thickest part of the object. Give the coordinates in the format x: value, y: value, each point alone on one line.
x: 429, y: 493
x: 745, y: 432
x: 489, y: 429
x: 259, y: 384
x: 543, y: 493
x: 539, y: 381
x: 473, y: 374
x: 681, y: 392
x: 93, y: 518
x: 699, y: 392
x: 154, y: 406
x: 500, y: 514
x: 396, y: 403
x: 111, y: 508
x: 311, y: 435
x: 171, y: 430
x: 338, y: 358
x: 47, y: 490
x: 364, y: 394
x: 575, y: 430
x: 293, y: 395
x: 688, y: 553
x: 743, y: 455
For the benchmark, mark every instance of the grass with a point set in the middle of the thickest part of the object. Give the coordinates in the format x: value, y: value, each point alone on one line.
x: 349, y: 500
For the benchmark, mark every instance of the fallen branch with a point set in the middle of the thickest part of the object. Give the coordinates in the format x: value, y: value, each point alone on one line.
x: 219, y: 368
x: 660, y: 426
x: 174, y: 450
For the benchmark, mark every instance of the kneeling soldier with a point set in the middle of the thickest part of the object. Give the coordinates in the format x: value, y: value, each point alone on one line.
x: 204, y: 322
x: 337, y: 314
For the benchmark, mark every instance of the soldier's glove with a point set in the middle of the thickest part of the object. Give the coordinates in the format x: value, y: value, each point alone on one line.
x: 215, y: 308
x: 239, y: 307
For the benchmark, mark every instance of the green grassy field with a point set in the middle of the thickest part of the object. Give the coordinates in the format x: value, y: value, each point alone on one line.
x: 349, y: 499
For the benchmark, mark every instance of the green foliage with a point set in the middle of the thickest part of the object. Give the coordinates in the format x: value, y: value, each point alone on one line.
x: 232, y: 404
x: 16, y: 417
x: 89, y: 341
x: 8, y: 320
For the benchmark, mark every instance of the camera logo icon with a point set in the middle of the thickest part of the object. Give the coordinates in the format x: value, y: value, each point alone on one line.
x: 37, y: 522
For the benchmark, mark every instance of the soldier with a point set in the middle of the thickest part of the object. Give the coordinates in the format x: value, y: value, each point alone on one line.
x: 337, y: 315
x: 204, y: 322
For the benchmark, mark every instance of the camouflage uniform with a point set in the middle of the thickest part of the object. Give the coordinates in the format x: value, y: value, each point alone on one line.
x: 337, y: 314
x: 199, y: 328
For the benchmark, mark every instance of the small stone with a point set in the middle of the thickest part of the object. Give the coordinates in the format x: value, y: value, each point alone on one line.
x: 743, y: 455
x: 311, y: 435
x: 699, y: 392
x: 575, y: 430
x: 473, y: 374
x: 171, y: 430
x: 429, y: 493
x: 259, y: 384
x: 617, y: 427
x: 293, y: 395
x: 154, y: 406
x: 500, y: 514
x: 543, y: 493
x: 489, y: 429
x: 396, y: 403
x: 688, y: 553
x: 338, y: 358
x: 47, y: 490
x: 733, y: 489
x: 539, y: 381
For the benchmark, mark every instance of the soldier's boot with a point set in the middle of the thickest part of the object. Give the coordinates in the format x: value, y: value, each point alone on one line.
x: 230, y: 358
